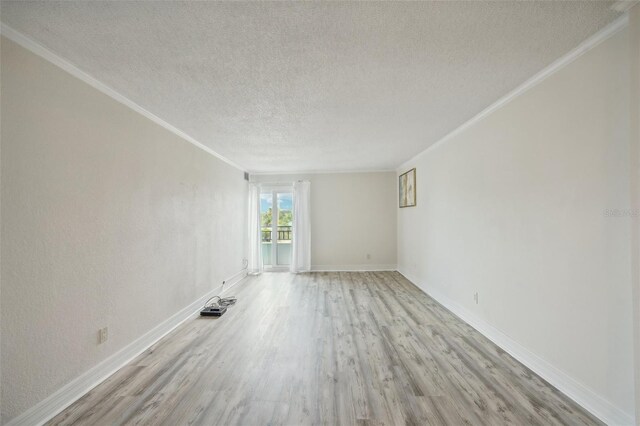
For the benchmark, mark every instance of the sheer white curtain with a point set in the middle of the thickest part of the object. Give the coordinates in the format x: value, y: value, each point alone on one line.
x: 301, y: 247
x: 255, y: 239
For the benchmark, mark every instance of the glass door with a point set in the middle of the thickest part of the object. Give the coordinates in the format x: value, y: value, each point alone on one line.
x: 276, y: 211
x: 285, y: 225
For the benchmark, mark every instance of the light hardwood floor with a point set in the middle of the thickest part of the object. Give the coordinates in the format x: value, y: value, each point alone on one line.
x: 326, y: 348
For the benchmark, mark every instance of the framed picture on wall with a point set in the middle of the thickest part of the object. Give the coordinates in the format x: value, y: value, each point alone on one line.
x: 407, y: 186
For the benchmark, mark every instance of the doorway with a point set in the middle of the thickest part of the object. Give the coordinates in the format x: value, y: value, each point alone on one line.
x: 276, y: 224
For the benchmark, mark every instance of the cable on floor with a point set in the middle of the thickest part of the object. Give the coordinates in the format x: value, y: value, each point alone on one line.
x: 222, y: 301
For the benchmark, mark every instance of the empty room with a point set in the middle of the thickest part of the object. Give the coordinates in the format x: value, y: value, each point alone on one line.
x: 320, y: 213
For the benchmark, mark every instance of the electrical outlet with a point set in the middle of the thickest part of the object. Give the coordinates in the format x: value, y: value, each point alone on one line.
x: 475, y: 297
x: 103, y: 335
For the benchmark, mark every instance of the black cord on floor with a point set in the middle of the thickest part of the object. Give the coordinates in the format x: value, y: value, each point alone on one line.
x: 222, y: 301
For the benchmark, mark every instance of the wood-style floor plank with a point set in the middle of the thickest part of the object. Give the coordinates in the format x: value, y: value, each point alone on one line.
x: 347, y: 348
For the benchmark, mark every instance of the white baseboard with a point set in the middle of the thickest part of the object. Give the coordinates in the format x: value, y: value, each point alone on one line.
x: 67, y: 395
x: 46, y: 409
x: 352, y: 268
x: 581, y: 394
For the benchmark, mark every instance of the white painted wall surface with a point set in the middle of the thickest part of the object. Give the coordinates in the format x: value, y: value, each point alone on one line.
x: 634, y: 116
x: 352, y: 215
x: 514, y: 208
x: 107, y: 220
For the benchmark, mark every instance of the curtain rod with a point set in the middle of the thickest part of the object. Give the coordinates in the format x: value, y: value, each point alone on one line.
x: 278, y: 183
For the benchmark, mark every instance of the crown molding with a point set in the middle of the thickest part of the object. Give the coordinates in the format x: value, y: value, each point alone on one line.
x: 38, y: 49
x: 537, y: 78
x: 624, y: 5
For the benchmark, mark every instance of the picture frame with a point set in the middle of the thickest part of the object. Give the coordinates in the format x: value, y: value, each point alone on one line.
x: 407, y: 189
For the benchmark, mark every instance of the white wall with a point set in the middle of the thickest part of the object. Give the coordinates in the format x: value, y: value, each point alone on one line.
x: 514, y: 208
x: 108, y: 219
x: 634, y: 49
x: 352, y: 215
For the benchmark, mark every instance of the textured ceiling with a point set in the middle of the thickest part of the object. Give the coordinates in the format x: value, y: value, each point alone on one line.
x: 311, y: 86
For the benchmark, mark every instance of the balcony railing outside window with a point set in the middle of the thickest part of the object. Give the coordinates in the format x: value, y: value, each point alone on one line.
x: 284, y: 234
